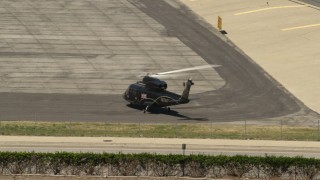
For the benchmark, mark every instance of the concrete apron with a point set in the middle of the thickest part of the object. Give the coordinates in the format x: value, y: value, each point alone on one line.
x: 282, y: 36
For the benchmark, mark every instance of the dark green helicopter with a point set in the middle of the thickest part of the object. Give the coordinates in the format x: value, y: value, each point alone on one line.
x: 152, y: 92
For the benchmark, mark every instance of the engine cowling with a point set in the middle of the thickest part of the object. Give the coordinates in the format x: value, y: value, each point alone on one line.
x: 154, y: 83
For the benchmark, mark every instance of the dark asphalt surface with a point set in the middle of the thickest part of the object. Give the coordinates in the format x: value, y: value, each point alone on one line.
x: 249, y: 92
x: 312, y: 2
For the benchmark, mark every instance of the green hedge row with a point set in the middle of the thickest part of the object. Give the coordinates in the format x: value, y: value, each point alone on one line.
x: 106, y: 164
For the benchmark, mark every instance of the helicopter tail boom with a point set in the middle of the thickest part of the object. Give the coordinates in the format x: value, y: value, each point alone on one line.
x: 185, y: 94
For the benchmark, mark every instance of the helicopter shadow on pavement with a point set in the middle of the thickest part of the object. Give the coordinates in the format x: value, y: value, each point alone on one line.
x: 158, y: 110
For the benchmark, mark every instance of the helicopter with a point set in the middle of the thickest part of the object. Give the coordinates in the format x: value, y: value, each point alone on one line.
x: 152, y: 92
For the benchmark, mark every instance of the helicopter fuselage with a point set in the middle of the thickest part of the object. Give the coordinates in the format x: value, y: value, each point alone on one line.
x: 140, y: 94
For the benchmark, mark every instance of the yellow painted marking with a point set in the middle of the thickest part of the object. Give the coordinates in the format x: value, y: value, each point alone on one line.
x: 300, y: 27
x: 270, y: 8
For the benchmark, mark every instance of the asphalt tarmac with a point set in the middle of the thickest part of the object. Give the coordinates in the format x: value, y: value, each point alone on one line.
x: 247, y: 91
x: 312, y: 2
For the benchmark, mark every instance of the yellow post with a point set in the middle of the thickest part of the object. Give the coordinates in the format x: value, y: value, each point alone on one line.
x: 219, y: 23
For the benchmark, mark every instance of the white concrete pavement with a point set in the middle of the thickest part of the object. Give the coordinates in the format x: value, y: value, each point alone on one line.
x: 282, y: 36
x: 89, y: 47
x: 159, y: 145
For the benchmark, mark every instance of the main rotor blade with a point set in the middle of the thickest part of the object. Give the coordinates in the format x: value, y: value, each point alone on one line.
x: 188, y: 69
x: 166, y: 75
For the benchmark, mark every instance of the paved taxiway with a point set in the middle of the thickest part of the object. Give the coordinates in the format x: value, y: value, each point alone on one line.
x: 159, y: 145
x: 283, y: 37
x: 70, y: 61
x: 86, y: 47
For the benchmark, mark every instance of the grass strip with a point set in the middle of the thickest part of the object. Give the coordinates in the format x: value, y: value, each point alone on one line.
x: 266, y: 132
